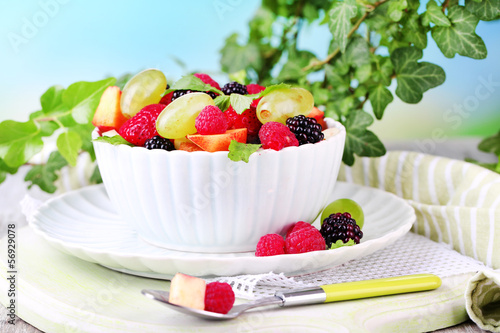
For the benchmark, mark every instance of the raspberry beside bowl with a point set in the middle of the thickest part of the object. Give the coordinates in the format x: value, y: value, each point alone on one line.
x: 204, y: 202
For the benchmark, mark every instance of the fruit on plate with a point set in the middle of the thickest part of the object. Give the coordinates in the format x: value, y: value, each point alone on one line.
x: 188, y: 291
x: 143, y: 89
x: 301, y: 237
x: 178, y: 118
x: 339, y: 229
x: 342, y: 206
x: 193, y: 292
x: 219, y: 142
x: 281, y: 104
x: 108, y: 115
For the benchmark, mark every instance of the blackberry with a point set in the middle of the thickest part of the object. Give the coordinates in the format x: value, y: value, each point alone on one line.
x: 157, y: 142
x: 340, y: 226
x: 234, y: 88
x: 179, y: 93
x: 306, y: 130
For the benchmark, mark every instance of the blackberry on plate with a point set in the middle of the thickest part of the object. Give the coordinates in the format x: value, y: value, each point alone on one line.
x: 178, y: 93
x: 306, y: 129
x: 157, y: 142
x: 234, y: 88
x: 340, y: 226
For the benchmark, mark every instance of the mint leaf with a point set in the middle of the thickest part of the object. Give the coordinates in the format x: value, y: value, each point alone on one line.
x: 240, y: 103
x: 69, y: 144
x: 45, y: 175
x: 435, y: 15
x: 380, y: 97
x: 19, y: 142
x: 191, y: 82
x: 83, y: 97
x: 461, y: 36
x: 222, y: 102
x: 340, y: 21
x: 114, y: 140
x: 340, y: 243
x: 486, y: 10
x: 272, y: 88
x: 414, y: 78
x: 241, y: 151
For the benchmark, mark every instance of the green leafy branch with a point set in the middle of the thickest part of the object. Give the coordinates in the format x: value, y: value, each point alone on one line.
x: 372, y: 44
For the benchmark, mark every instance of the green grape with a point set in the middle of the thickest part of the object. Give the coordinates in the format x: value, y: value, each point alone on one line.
x: 143, y: 89
x: 177, y: 119
x: 345, y: 206
x: 281, y: 104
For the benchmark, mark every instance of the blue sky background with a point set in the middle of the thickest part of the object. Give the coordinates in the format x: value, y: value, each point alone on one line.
x: 88, y: 40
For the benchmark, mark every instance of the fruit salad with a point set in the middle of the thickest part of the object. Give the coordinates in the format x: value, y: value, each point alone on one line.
x: 197, y: 114
x: 338, y: 228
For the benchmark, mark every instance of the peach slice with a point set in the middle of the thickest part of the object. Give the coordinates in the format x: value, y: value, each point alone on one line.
x: 108, y: 115
x: 319, y: 116
x: 219, y: 142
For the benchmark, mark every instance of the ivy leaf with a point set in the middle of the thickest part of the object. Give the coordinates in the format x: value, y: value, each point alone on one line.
x: 222, y: 102
x: 236, y: 57
x: 415, y: 32
x: 4, y: 170
x: 414, y: 78
x: 45, y: 175
x: 114, y: 140
x: 69, y: 144
x: 380, y: 97
x: 191, y: 82
x: 19, y: 142
x: 486, y: 10
x: 51, y: 99
x: 491, y: 144
x: 83, y: 97
x: 95, y: 177
x: 240, y: 103
x: 340, y: 21
x: 435, y: 15
x: 241, y: 151
x: 359, y: 140
x: 396, y: 8
x: 357, y: 53
x: 460, y: 37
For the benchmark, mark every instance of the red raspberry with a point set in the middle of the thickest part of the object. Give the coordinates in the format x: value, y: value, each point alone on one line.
x: 211, y: 120
x: 270, y: 245
x: 304, y: 240
x: 142, y: 126
x: 207, y: 79
x: 167, y: 99
x: 248, y: 119
x: 274, y: 135
x: 297, y: 226
x: 219, y: 297
x: 254, y: 88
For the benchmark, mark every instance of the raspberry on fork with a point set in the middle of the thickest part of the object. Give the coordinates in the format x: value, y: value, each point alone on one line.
x: 219, y: 297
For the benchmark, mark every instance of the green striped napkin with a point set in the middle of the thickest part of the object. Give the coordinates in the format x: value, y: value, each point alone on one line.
x: 456, y: 203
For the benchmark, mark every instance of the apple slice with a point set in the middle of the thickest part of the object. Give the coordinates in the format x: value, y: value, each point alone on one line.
x: 108, y: 115
x: 219, y: 142
x: 188, y: 291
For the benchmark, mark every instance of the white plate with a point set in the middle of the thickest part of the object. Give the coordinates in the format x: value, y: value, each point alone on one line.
x: 84, y: 224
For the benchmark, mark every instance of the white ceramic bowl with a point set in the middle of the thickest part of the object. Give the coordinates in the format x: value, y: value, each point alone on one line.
x: 204, y: 202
